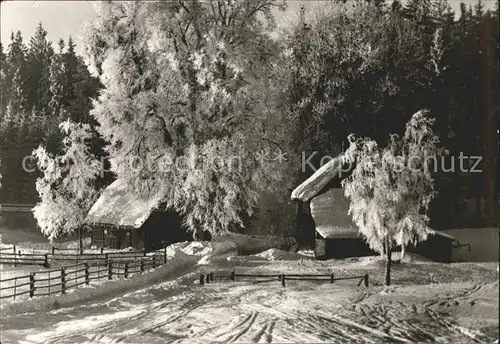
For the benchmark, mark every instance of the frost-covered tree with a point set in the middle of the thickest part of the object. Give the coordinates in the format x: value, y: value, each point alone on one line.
x: 67, y: 188
x: 390, y: 188
x: 182, y: 89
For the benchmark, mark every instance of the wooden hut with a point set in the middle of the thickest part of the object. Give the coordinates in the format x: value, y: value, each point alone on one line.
x: 120, y: 218
x: 322, y: 212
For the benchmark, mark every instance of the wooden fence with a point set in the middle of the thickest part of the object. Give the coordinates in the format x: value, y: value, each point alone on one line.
x: 232, y: 276
x: 60, y: 280
x: 54, y: 250
x: 10, y: 256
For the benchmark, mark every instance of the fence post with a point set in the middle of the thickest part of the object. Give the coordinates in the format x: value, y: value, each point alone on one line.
x: 63, y: 280
x: 366, y: 280
x: 102, y: 249
x: 142, y: 265
x: 211, y: 277
x: 14, y: 249
x: 110, y: 270
x: 154, y: 261
x: 32, y: 284
x: 283, y: 280
x: 202, y: 279
x: 165, y: 255
x: 87, y: 274
x: 15, y: 287
x: 106, y: 256
x: 46, y: 261
x: 53, y: 250
x: 331, y: 278
x: 126, y: 270
x: 232, y: 275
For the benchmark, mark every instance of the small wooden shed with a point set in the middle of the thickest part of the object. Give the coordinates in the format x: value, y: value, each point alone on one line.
x: 120, y: 218
x: 322, y: 211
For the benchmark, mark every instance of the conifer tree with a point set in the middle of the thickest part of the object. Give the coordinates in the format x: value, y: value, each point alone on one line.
x: 39, y: 55
x: 15, y: 72
x: 3, y: 81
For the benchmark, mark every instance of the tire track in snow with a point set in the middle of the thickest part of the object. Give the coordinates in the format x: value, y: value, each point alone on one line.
x: 407, y: 322
x: 155, y: 325
x: 475, y: 336
x: 266, y: 333
x: 237, y: 328
x: 112, y: 324
x: 455, y: 297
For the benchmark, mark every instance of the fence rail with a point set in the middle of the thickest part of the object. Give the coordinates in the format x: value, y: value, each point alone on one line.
x: 231, y: 275
x: 9, y: 255
x: 54, y: 281
x: 54, y: 249
x: 16, y: 207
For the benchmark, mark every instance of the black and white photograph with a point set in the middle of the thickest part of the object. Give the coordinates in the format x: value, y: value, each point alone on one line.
x: 249, y: 171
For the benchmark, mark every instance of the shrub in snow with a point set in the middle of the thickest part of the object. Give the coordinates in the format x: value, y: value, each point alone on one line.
x: 390, y: 188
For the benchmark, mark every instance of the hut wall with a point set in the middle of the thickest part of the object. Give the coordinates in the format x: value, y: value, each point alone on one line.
x: 163, y: 228
x: 320, y: 249
x: 339, y: 248
x: 347, y: 247
x: 436, y: 248
x: 304, y: 225
x: 110, y: 237
x: 97, y: 237
x: 120, y: 237
x: 138, y: 238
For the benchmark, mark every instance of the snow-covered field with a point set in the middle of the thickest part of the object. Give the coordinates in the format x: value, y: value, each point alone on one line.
x: 428, y: 302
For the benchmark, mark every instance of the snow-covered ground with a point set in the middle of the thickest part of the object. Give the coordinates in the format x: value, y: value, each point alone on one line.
x: 428, y: 302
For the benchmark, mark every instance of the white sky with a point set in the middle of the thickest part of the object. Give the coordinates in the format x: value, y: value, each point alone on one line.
x: 64, y: 18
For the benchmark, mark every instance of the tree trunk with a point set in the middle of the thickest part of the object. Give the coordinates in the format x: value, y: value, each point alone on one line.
x: 388, y: 263
x: 80, y: 241
x: 403, y: 251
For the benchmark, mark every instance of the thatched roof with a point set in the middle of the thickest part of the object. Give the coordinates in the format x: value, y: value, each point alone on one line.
x: 118, y: 206
x: 329, y: 211
x: 315, y: 183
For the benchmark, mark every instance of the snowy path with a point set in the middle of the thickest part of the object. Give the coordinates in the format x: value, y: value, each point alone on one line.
x: 180, y: 310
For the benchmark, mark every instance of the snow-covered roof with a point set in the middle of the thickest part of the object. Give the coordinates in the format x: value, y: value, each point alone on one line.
x: 315, y: 183
x: 118, y: 205
x: 443, y: 234
x: 330, y: 213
